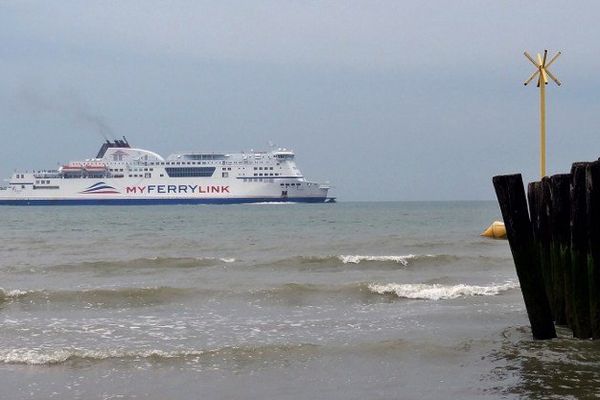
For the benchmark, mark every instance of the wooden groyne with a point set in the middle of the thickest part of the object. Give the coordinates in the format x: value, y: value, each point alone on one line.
x: 554, y: 237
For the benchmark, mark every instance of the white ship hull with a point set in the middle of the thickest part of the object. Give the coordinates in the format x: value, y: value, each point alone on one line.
x: 173, y: 191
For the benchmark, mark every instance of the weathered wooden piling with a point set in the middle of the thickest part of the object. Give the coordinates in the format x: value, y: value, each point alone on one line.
x: 593, y: 213
x: 560, y: 216
x: 557, y: 249
x: 538, y: 194
x: 511, y: 197
x: 579, y: 249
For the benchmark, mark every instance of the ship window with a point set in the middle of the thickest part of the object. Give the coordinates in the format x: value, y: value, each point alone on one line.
x: 225, y: 174
x: 162, y: 175
x: 271, y: 168
x: 37, y: 182
x: 255, y: 168
x: 190, y: 172
x: 147, y: 175
x: 145, y: 169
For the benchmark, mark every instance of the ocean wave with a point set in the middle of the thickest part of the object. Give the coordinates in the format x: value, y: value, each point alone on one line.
x: 48, y: 356
x: 438, y: 291
x: 288, y: 293
x: 329, y: 262
x: 294, y: 289
x: 6, y: 294
x: 101, y: 298
x: 58, y: 356
x: 105, y: 298
x: 143, y: 263
x: 357, y: 259
x: 301, y: 294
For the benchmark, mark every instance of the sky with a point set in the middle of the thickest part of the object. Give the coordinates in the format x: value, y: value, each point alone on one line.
x: 386, y: 100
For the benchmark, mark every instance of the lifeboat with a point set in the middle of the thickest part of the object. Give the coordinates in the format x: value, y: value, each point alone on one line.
x: 71, y: 168
x: 95, y: 168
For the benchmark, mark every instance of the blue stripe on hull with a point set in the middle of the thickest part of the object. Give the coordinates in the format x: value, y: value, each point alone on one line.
x: 144, y: 202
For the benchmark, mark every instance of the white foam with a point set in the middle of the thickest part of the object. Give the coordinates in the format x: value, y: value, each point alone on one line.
x: 13, y: 293
x: 39, y: 356
x: 439, y: 292
x: 227, y: 260
x: 349, y: 259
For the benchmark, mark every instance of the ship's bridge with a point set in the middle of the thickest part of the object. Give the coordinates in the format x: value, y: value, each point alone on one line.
x: 284, y: 155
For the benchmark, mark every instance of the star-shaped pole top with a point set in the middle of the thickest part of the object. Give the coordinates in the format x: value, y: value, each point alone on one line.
x: 542, y: 72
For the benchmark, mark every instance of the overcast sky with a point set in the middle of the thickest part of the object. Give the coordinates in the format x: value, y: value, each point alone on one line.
x: 387, y: 100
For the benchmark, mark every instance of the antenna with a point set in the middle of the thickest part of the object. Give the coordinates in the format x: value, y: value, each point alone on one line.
x: 542, y: 73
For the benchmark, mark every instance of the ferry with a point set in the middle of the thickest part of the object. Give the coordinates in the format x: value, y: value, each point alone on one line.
x: 124, y: 175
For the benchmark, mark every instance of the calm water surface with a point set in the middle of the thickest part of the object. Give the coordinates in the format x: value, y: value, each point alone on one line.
x: 286, y: 301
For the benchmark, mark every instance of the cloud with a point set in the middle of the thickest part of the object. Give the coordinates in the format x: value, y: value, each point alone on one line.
x: 342, y: 34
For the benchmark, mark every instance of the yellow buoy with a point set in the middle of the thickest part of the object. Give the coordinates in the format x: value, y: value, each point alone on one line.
x: 497, y: 230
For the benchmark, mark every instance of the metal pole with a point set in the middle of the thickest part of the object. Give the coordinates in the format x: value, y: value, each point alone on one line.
x: 542, y: 128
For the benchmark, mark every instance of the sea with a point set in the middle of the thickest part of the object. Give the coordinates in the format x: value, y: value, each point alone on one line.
x: 353, y: 300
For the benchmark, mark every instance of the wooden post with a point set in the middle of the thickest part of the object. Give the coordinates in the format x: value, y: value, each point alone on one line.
x: 579, y: 249
x: 593, y: 212
x: 511, y: 197
x: 539, y: 209
x: 561, y: 247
